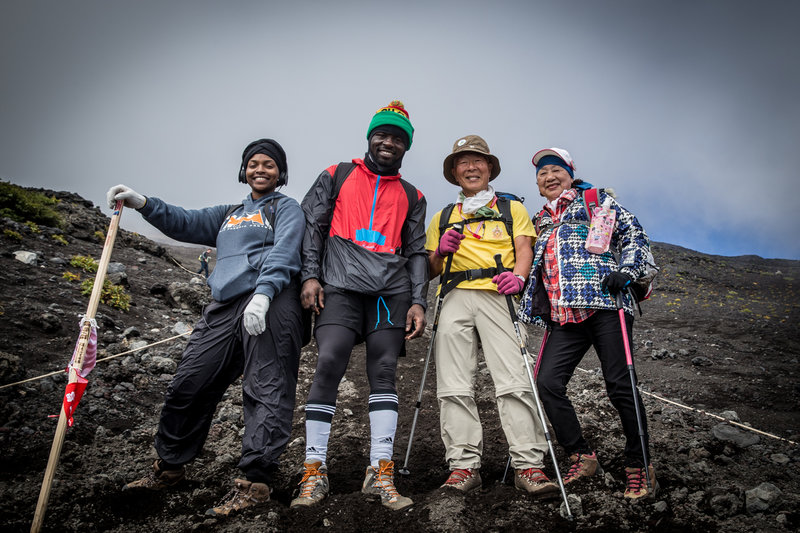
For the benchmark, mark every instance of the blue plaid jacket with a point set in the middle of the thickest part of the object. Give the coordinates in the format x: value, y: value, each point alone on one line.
x: 580, y: 271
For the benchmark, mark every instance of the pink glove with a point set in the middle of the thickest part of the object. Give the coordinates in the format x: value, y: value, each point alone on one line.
x: 449, y: 243
x: 508, y: 283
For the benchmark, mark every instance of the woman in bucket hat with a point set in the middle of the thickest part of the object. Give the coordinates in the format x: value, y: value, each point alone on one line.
x: 573, y: 291
x: 252, y: 328
x: 477, y: 307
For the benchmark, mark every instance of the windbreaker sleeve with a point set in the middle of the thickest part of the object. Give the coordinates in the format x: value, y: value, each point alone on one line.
x: 197, y: 226
x: 414, y: 249
x: 283, y: 260
x: 317, y: 208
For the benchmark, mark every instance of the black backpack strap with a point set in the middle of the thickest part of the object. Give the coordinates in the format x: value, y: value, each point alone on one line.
x: 466, y: 275
x: 342, y: 171
x: 444, y: 219
x: 504, y: 206
x: 271, y: 209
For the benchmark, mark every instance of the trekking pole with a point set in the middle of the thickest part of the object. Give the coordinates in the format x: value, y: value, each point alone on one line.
x: 524, y: 352
x: 443, y: 279
x: 635, y: 390
x: 75, y: 368
x: 535, y: 377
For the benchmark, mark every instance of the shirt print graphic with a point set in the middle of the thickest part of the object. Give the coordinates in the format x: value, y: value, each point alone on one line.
x: 246, y: 220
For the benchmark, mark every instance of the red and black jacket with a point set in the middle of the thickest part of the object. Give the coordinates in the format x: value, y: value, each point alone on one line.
x: 365, y: 238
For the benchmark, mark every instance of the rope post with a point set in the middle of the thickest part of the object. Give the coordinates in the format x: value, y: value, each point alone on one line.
x: 75, y: 368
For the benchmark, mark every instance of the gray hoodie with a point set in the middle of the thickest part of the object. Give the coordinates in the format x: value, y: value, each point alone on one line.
x: 252, y: 257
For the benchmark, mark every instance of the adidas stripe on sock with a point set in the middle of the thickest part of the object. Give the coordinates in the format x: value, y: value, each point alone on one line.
x: 318, y: 430
x: 382, y: 424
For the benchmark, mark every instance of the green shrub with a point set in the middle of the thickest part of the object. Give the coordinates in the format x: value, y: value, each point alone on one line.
x: 113, y: 295
x: 69, y: 276
x: 60, y: 239
x: 23, y: 205
x: 84, y: 262
x: 11, y: 234
x: 33, y: 227
x: 99, y: 235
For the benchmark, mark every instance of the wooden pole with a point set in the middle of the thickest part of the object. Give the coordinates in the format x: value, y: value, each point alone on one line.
x: 80, y: 352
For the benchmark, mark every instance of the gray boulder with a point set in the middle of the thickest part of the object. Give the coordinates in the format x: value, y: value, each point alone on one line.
x: 761, y: 498
x: 731, y: 435
x: 186, y: 296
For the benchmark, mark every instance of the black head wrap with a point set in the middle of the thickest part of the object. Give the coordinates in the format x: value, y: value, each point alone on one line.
x: 269, y: 148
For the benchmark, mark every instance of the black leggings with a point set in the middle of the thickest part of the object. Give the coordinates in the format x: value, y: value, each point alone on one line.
x: 335, y: 343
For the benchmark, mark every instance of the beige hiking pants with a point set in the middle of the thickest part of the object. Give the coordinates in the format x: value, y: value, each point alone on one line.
x: 466, y: 315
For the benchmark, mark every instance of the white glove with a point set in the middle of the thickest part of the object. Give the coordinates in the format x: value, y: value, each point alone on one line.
x: 255, y: 314
x: 129, y: 197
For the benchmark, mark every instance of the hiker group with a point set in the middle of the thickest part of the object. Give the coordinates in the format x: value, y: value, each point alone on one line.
x: 355, y: 255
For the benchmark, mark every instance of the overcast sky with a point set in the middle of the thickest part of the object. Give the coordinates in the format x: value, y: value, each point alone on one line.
x: 689, y: 109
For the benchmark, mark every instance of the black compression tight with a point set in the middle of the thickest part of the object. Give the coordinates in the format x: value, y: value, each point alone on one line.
x: 335, y: 343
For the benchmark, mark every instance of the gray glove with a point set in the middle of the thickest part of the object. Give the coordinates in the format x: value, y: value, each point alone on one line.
x: 255, y: 314
x: 129, y: 197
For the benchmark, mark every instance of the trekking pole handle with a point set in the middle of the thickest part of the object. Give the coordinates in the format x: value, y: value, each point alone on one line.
x: 449, y: 261
x: 618, y: 300
x: 498, y: 259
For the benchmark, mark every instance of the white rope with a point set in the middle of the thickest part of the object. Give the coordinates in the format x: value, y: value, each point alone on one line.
x: 181, y: 266
x: 99, y: 360
x: 712, y: 415
x: 656, y: 396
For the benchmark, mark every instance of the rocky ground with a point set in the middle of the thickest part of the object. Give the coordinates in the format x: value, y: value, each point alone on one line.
x: 720, y: 336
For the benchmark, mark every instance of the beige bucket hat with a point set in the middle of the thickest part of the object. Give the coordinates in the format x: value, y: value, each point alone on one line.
x: 469, y: 143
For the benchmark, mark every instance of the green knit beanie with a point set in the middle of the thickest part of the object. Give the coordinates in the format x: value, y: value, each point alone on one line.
x: 394, y: 114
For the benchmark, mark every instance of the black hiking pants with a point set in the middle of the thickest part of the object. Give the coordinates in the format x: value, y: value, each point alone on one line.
x: 218, y: 352
x: 565, y: 348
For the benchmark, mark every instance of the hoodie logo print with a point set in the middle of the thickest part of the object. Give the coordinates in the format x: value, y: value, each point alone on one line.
x: 235, y: 221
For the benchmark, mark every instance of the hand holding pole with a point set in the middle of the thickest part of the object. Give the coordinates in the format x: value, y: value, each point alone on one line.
x: 540, y: 411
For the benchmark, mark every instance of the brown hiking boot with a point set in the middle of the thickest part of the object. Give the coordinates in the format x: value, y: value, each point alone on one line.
x: 463, y: 479
x: 243, y: 494
x: 636, y: 486
x: 582, y: 465
x: 158, y: 479
x: 379, y: 483
x: 535, y: 482
x: 314, y: 486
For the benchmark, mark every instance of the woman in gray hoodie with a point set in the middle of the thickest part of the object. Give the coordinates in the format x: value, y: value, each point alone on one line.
x: 252, y: 328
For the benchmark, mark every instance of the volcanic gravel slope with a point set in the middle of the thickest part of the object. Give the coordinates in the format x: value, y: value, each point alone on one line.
x: 720, y: 335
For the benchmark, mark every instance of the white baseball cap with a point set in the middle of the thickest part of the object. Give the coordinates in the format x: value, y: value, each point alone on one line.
x: 558, y: 152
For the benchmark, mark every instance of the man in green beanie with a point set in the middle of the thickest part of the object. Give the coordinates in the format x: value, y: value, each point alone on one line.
x: 364, y: 274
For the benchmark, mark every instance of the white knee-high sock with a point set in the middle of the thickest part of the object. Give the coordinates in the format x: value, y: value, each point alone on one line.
x: 318, y: 431
x: 382, y: 425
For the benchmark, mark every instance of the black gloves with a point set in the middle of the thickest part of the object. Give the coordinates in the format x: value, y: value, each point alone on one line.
x: 615, y: 282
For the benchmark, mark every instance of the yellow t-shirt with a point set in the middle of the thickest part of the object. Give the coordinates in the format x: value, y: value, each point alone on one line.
x: 476, y: 252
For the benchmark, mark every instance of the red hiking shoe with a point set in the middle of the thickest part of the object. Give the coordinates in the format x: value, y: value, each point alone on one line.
x: 636, y: 484
x: 464, y: 479
x: 535, y: 482
x: 582, y: 465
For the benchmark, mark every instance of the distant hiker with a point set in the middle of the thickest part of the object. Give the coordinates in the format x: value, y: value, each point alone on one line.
x: 476, y: 308
x: 252, y: 328
x: 573, y: 291
x: 364, y: 275
x: 204, y: 262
